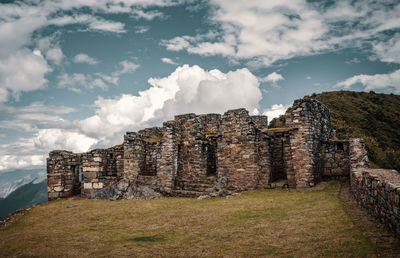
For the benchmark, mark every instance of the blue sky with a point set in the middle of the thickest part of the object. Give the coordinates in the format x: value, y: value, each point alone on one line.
x: 77, y: 74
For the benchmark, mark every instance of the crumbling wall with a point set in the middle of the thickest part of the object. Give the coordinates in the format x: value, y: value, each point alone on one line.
x: 335, y: 157
x: 63, y: 174
x: 312, y: 119
x: 100, y: 169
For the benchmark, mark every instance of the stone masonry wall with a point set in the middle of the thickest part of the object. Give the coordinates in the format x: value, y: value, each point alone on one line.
x: 378, y: 191
x: 62, y: 174
x: 100, y: 168
x: 312, y: 119
x: 237, y: 151
x: 196, y: 154
x: 335, y: 159
x: 275, y: 157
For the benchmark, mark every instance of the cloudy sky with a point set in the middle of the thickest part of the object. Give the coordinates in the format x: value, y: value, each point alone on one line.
x: 77, y: 74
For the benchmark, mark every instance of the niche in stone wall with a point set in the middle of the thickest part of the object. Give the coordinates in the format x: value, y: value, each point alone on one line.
x: 149, y: 161
x: 210, y: 149
x: 77, y: 178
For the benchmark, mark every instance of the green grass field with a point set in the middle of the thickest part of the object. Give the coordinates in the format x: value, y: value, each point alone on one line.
x: 256, y: 223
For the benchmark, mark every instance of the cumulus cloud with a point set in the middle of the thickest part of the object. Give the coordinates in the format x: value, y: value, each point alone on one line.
x: 55, y: 138
x: 168, y: 61
x: 273, y: 77
x: 84, y: 58
x: 388, y: 82
x: 187, y: 89
x: 23, y: 71
x: 275, y: 111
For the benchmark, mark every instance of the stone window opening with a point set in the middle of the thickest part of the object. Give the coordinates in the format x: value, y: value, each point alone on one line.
x: 80, y: 173
x: 340, y: 146
x: 111, y: 155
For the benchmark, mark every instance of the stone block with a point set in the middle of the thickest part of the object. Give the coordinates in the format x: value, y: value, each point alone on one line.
x: 87, y: 186
x: 98, y: 185
x: 58, y: 188
x: 91, y: 175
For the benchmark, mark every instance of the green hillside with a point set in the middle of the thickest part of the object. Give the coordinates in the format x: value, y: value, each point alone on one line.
x: 374, y: 117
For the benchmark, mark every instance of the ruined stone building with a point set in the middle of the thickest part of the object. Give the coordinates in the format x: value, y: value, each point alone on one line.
x: 195, y: 155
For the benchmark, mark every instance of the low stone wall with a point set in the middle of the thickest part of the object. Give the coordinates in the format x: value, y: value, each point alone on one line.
x: 378, y: 190
x: 335, y: 159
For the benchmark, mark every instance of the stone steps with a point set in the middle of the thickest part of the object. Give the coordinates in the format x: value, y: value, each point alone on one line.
x: 186, y: 193
x: 195, y: 187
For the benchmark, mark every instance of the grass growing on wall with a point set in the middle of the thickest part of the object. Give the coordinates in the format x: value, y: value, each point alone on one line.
x: 256, y: 223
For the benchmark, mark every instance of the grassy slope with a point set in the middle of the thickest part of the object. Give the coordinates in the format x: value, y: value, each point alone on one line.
x: 270, y: 222
x: 356, y: 114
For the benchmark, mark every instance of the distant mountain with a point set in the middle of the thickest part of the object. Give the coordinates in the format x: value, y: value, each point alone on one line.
x: 374, y: 117
x: 11, y: 180
x: 25, y: 196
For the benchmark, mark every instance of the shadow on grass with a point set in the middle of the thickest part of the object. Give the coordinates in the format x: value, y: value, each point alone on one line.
x: 155, y: 238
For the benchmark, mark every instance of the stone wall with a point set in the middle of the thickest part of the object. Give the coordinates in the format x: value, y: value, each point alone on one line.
x: 237, y: 151
x: 335, y: 159
x: 63, y: 174
x: 196, y: 154
x: 100, y: 168
x: 312, y: 119
x: 378, y: 191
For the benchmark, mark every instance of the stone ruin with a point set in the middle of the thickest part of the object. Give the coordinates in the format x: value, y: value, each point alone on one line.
x: 211, y: 154
x: 218, y: 155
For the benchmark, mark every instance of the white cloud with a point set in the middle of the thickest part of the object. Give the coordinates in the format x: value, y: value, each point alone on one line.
x: 187, y: 89
x: 94, y: 23
x: 275, y: 111
x: 388, y: 51
x: 308, y: 77
x: 54, y: 138
x: 127, y: 67
x: 273, y: 77
x: 149, y: 15
x: 75, y: 81
x: 388, y: 82
x: 8, y: 162
x: 168, y: 61
x: 262, y: 32
x: 55, y: 55
x: 84, y: 58
x: 141, y: 29
x: 33, y: 117
x: 23, y: 71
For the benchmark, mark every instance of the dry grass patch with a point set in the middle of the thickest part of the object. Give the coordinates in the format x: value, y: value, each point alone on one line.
x: 256, y: 223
